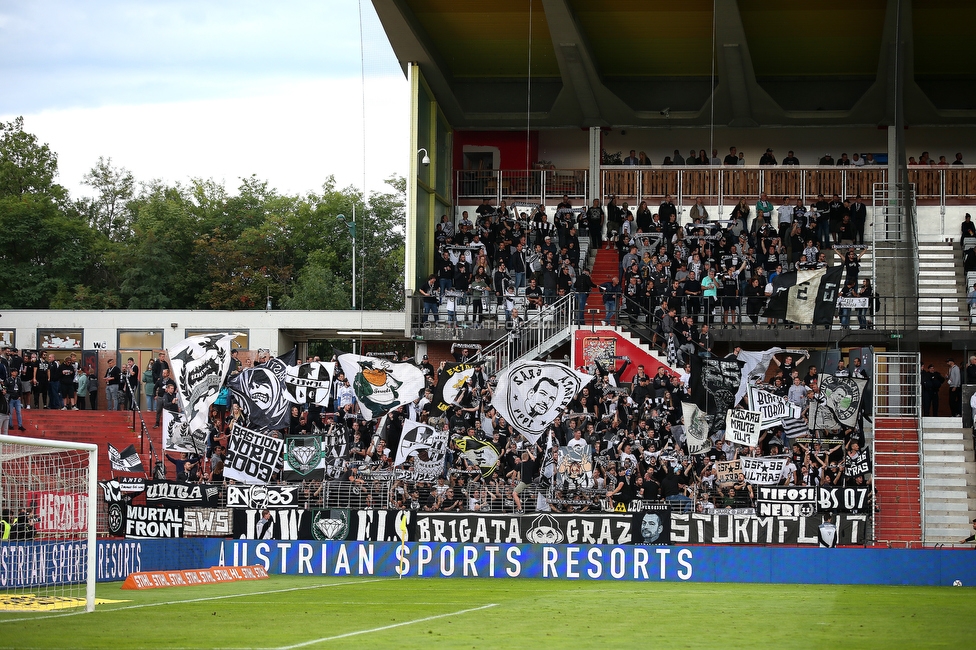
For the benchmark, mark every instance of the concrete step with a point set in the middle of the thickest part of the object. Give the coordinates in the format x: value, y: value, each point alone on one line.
x: 945, y: 457
x: 945, y: 482
x: 929, y: 447
x: 946, y: 507
x: 946, y: 422
x: 958, y: 469
x: 946, y: 519
x: 943, y: 435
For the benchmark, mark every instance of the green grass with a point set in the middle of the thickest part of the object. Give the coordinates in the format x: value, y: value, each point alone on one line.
x: 287, y: 610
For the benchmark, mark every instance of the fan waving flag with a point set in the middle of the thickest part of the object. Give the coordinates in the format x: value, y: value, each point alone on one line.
x: 530, y: 394
x: 428, y: 447
x: 696, y: 428
x: 807, y: 297
x: 125, y: 461
x: 309, y: 382
x: 198, y: 365
x: 480, y: 452
x: 450, y: 382
x: 381, y: 385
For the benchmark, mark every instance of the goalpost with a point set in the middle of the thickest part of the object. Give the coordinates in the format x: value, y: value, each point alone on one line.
x: 48, y: 504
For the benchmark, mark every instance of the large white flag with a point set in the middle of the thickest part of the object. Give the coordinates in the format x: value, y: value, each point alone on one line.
x: 198, y: 366
x: 530, y: 394
x: 774, y: 408
x: 381, y: 385
x: 754, y: 367
x: 696, y: 428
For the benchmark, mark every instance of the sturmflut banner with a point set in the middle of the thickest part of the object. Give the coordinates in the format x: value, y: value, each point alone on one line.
x: 744, y: 529
x: 743, y: 427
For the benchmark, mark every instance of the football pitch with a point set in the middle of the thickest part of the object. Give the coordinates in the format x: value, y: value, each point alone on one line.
x: 299, y: 612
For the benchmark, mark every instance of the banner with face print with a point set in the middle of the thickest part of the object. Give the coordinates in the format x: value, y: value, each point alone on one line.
x: 381, y: 385
x: 530, y: 394
x: 261, y: 395
x: 199, y: 365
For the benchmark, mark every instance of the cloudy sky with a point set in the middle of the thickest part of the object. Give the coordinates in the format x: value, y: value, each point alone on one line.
x: 176, y: 89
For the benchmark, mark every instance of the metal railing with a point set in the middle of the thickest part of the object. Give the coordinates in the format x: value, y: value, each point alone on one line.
x: 722, y: 186
x: 539, y: 334
x: 896, y: 405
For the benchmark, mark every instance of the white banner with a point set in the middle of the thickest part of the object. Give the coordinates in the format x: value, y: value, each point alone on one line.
x: 426, y: 444
x: 530, y: 394
x: 198, y: 365
x: 854, y: 303
x: 763, y: 471
x: 381, y: 385
x: 696, y: 428
x: 252, y: 456
x: 742, y: 427
x: 772, y: 407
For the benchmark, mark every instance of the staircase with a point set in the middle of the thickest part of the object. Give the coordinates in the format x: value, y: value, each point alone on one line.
x: 605, y: 266
x: 950, y: 480
x: 544, y: 330
x: 897, y: 474
x: 97, y: 427
x: 941, y: 287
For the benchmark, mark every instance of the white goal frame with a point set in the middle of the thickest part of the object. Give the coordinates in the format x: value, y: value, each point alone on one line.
x: 92, y: 491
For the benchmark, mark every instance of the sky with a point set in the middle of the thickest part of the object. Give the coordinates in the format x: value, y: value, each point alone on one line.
x: 175, y: 89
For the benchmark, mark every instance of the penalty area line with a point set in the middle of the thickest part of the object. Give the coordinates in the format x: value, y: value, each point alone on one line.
x: 192, y: 600
x: 385, y: 627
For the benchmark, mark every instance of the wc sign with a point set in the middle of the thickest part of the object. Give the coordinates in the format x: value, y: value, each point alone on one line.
x: 100, y: 345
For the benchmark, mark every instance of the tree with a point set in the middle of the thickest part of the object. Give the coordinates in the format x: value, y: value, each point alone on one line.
x: 25, y: 165
x: 108, y: 211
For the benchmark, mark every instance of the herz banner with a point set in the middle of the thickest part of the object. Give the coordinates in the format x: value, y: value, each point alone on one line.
x: 763, y: 471
x: 742, y: 427
x: 252, y: 456
x: 772, y: 407
x: 530, y: 394
x: 198, y: 365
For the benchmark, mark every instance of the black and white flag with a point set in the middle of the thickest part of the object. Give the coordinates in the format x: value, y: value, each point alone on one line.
x: 480, y: 452
x: 262, y: 397
x: 125, y: 461
x: 450, y: 383
x: 305, y: 459
x: 755, y: 364
x: 807, y: 297
x: 696, y: 428
x: 178, y: 437
x: 773, y: 408
x: 380, y: 385
x: 252, y: 456
x: 842, y: 395
x: 309, y: 383
x: 198, y: 365
x: 763, y: 470
x: 427, y: 446
x: 530, y: 394
x: 795, y: 427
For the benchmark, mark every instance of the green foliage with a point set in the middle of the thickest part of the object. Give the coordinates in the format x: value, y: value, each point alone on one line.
x: 193, y: 246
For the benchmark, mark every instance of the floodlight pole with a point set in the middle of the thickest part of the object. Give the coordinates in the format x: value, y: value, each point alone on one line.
x: 353, y: 231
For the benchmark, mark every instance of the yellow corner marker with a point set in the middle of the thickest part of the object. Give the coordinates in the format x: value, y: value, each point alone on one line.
x: 402, y: 529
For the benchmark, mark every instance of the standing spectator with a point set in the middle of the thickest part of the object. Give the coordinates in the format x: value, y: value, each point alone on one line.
x: 583, y: 286
x: 39, y: 389
x: 148, y: 386
x: 931, y: 383
x: 4, y: 409
x: 113, y: 377
x: 611, y: 298
x: 53, y: 383
x: 955, y: 389
x: 971, y: 371
x: 67, y: 381
x: 594, y: 222
x: 81, y: 392
x: 429, y: 293
x: 632, y: 158
x: 732, y: 158
x: 11, y: 391
x: 93, y: 388
x: 859, y: 214
x: 767, y: 158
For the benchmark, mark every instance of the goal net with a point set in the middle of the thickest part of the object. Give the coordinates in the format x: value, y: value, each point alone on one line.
x: 48, y: 507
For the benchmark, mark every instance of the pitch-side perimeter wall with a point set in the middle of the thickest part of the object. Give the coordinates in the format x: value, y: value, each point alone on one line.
x: 23, y: 564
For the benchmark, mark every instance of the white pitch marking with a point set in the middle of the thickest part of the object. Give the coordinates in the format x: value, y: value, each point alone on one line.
x: 193, y: 600
x: 385, y: 627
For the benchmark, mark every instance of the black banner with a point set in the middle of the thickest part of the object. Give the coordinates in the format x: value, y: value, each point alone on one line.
x: 285, y: 524
x: 737, y: 529
x: 791, y: 501
x: 252, y: 456
x: 207, y: 522
x: 651, y: 523
x: 173, y: 494
x: 845, y: 499
x: 145, y: 522
x: 857, y: 465
x: 259, y: 497
x: 361, y: 525
x: 524, y: 529
x: 450, y: 382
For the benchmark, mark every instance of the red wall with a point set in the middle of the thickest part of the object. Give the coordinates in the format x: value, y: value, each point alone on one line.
x: 511, y: 146
x: 609, y: 342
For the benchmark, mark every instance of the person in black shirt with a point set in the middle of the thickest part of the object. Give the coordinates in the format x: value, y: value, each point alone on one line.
x: 790, y: 159
x: 54, y: 401
x: 732, y: 158
x: 113, y: 378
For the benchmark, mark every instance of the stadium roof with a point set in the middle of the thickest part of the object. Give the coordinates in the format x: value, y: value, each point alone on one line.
x: 649, y: 62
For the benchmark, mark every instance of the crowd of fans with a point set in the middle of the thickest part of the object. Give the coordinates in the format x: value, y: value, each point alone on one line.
x: 628, y: 443
x: 724, y: 263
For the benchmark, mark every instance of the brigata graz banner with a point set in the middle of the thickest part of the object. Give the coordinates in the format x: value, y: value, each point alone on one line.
x: 540, y: 528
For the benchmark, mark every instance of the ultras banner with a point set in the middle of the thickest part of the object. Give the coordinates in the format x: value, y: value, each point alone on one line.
x: 520, y: 529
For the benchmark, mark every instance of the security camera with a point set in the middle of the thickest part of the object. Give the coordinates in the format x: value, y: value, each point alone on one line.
x: 425, y: 161
x: 666, y: 112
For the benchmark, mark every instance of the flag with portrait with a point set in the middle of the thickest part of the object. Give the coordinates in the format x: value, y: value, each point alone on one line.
x: 530, y: 394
